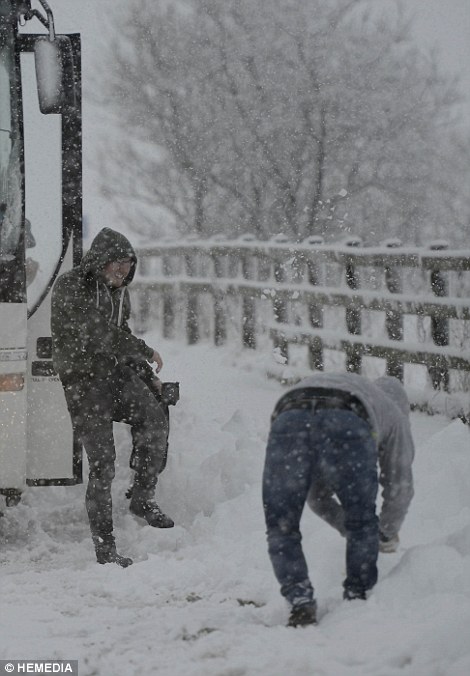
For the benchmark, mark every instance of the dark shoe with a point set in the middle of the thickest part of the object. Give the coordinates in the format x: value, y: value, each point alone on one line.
x: 302, y: 616
x: 151, y: 512
x: 105, y: 549
x: 351, y: 595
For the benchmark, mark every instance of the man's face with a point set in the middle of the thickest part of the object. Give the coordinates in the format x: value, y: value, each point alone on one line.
x: 115, y: 272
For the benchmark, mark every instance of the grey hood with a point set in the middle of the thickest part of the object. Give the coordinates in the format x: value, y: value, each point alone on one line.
x: 395, y: 391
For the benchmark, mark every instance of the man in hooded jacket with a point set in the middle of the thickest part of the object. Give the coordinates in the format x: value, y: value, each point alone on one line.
x: 334, y: 437
x: 106, y: 376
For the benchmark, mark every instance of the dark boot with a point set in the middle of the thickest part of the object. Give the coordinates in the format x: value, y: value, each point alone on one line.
x: 105, y: 549
x: 353, y: 594
x: 144, y: 506
x: 302, y: 616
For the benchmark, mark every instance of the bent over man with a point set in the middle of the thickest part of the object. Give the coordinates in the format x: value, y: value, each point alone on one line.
x: 106, y: 377
x: 333, y: 439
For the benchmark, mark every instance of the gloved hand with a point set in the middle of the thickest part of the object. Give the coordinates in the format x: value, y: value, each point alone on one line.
x: 388, y: 544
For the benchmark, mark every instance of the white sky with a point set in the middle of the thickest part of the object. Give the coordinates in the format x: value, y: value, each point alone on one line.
x: 446, y: 24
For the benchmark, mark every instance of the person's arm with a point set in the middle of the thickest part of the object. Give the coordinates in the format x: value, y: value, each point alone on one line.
x: 321, y: 501
x: 152, y: 380
x: 75, y: 309
x: 396, y: 458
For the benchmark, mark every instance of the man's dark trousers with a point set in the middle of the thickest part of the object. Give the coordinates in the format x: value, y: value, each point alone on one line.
x: 336, y: 445
x: 94, y: 405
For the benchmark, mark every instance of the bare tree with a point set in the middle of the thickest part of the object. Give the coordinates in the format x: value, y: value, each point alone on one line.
x: 295, y: 116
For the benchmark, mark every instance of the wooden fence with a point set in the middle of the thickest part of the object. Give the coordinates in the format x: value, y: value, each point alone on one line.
x: 399, y: 304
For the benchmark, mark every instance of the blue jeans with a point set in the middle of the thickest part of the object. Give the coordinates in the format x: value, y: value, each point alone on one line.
x: 336, y: 446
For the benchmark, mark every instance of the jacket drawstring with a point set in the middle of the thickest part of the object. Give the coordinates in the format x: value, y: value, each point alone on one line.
x: 121, y: 304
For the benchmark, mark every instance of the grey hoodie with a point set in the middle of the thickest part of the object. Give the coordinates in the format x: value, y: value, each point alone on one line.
x: 388, y: 409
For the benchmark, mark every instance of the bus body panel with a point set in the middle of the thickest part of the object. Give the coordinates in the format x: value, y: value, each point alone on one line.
x: 49, y: 436
x: 13, y: 404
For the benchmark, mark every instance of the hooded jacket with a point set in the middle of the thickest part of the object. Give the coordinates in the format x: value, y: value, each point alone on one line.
x: 388, y: 409
x: 89, y: 320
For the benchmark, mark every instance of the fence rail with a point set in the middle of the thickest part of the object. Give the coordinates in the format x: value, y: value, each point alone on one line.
x: 399, y: 304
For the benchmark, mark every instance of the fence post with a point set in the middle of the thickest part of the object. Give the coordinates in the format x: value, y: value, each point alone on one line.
x: 394, y: 318
x: 248, y: 301
x: 439, y: 371
x: 168, y: 297
x: 280, y: 308
x: 144, y: 264
x: 141, y: 312
x: 141, y: 308
x: 353, y: 314
x: 192, y: 318
x: 315, y: 311
x: 220, y: 322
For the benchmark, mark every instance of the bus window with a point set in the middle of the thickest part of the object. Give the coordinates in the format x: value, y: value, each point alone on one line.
x: 11, y: 260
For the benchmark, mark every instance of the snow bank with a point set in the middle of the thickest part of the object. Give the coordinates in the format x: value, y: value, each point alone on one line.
x: 201, y: 599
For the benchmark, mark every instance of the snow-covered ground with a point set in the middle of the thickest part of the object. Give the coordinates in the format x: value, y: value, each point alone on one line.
x: 201, y: 599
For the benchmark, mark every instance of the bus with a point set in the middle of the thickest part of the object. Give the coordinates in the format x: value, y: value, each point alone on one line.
x: 40, y: 237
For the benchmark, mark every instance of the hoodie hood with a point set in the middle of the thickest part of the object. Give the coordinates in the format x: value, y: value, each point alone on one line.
x: 395, y: 391
x: 108, y: 245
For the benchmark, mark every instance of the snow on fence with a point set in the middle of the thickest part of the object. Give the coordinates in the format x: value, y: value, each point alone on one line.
x: 402, y: 305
